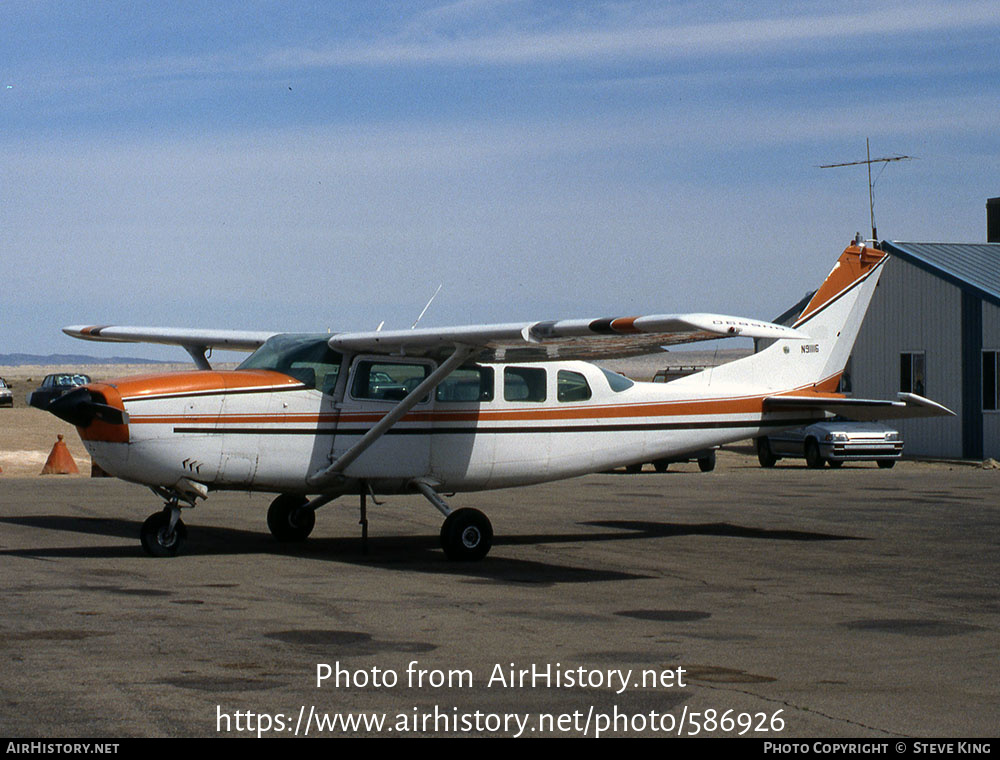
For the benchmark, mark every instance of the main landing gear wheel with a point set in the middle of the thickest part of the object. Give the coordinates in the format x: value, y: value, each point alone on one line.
x: 287, y: 520
x: 157, y: 538
x: 466, y: 535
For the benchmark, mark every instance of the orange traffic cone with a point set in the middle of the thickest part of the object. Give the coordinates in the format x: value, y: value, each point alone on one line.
x: 60, y: 461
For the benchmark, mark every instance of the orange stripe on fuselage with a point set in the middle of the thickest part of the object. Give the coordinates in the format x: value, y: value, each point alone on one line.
x: 135, y: 389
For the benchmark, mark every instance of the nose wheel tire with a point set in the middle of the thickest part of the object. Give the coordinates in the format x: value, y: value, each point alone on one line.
x: 288, y: 520
x: 156, y: 537
x: 466, y: 535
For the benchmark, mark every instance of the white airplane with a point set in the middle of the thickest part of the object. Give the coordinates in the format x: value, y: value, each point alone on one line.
x: 312, y: 417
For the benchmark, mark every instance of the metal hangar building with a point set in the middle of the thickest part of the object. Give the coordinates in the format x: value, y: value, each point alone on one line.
x: 933, y: 328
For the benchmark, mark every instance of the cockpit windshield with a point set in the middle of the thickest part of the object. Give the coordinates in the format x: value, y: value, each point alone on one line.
x: 307, y: 358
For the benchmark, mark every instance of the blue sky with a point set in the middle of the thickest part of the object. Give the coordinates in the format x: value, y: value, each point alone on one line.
x: 298, y: 166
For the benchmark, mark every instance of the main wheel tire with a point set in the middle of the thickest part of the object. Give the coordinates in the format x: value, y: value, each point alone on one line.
x: 661, y: 465
x: 764, y: 453
x: 287, y: 520
x: 835, y: 463
x: 155, y: 539
x: 633, y: 469
x: 707, y: 464
x: 466, y: 535
x: 813, y: 458
x: 886, y: 464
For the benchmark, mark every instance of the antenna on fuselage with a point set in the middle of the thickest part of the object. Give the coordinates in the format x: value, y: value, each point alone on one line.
x: 886, y: 160
x: 426, y: 307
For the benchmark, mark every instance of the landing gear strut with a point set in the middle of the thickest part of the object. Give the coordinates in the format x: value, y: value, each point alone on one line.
x: 467, y: 534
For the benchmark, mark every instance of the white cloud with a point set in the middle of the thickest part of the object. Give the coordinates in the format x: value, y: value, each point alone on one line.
x: 661, y: 41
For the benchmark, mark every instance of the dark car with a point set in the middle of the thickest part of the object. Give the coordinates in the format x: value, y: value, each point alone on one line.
x: 55, y: 385
x: 833, y: 442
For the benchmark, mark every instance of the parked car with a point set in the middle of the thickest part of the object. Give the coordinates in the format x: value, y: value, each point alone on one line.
x: 704, y: 458
x: 53, y: 386
x: 833, y: 442
x: 6, y: 394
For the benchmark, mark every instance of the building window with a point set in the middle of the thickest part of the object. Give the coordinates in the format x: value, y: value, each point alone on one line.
x: 911, y: 373
x: 991, y: 381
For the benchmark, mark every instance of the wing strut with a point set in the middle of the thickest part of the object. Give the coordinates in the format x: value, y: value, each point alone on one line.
x: 335, y: 471
x: 197, y: 353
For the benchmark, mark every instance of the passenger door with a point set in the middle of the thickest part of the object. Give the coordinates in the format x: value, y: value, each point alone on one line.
x: 376, y: 384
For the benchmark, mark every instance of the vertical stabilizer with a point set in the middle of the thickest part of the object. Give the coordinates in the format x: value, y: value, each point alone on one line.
x: 831, y: 319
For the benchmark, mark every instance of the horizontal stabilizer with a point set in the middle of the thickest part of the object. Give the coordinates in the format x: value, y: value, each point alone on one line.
x: 908, y: 405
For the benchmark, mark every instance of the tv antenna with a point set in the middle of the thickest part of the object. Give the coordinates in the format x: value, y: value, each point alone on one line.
x: 885, y: 161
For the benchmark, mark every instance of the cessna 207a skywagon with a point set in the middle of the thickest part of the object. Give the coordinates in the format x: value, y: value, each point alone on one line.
x: 447, y: 410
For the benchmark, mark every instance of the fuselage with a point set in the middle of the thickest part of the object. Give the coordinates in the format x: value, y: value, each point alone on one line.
x: 485, y: 426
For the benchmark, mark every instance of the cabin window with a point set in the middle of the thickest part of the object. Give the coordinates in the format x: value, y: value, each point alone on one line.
x: 524, y: 384
x: 386, y: 381
x: 467, y: 384
x: 617, y: 382
x: 572, y: 386
x: 991, y: 381
x: 911, y: 373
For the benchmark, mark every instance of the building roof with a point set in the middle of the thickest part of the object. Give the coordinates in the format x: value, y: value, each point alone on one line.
x: 973, y: 267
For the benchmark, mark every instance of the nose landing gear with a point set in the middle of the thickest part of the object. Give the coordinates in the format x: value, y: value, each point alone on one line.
x: 163, y: 534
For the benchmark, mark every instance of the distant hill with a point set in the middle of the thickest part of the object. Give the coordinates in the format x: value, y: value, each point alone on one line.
x: 15, y: 360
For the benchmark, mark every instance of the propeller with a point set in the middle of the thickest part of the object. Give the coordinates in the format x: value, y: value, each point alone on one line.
x: 80, y: 407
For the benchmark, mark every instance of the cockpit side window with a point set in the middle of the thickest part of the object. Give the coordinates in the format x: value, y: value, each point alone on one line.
x: 387, y: 381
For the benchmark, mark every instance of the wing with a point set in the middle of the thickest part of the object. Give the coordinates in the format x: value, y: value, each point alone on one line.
x: 909, y: 405
x: 564, y: 339
x: 233, y: 340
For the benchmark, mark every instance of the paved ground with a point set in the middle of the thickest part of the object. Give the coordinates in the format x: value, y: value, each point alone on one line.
x: 856, y: 602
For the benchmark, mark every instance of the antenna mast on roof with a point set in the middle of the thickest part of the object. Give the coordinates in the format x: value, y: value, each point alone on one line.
x: 871, y: 185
